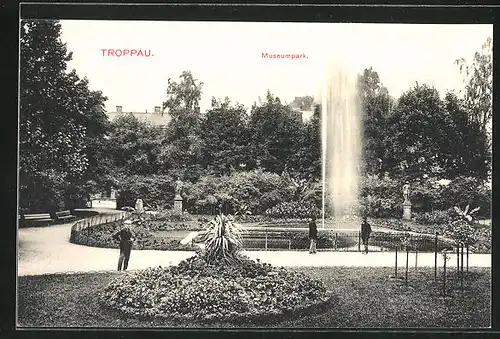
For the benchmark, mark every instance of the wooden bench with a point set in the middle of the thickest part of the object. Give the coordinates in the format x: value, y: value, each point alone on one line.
x: 34, y: 219
x: 64, y: 215
x: 37, y: 217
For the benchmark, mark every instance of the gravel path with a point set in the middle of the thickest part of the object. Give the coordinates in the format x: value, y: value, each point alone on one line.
x: 43, y: 250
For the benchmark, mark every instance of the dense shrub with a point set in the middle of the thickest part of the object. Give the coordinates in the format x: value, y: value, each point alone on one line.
x: 50, y: 191
x: 434, y: 217
x: 380, y: 207
x: 195, y: 290
x: 426, y: 196
x: 254, y: 191
x: 169, y: 215
x: 300, y: 210
x: 257, y: 190
x: 468, y: 191
x: 156, y: 191
x: 384, y: 197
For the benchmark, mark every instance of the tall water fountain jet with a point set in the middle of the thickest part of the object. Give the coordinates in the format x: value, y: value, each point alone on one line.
x: 341, y: 141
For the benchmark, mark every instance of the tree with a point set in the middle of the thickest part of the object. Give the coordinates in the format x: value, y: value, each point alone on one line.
x: 469, y: 144
x: 478, y: 94
x: 58, y: 113
x: 183, y: 104
x: 183, y: 146
x: 274, y: 130
x: 135, y: 146
x: 419, y: 132
x: 376, y: 105
x: 306, y: 161
x: 224, y: 136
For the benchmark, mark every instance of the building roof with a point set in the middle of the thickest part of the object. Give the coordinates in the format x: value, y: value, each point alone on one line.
x: 154, y: 118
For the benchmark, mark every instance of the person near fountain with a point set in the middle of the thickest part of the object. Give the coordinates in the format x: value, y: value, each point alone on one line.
x: 313, y: 235
x: 365, y: 233
x: 125, y: 237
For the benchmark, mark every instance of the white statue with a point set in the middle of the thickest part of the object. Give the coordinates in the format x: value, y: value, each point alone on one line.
x: 139, y: 206
x: 178, y: 187
x: 406, y: 191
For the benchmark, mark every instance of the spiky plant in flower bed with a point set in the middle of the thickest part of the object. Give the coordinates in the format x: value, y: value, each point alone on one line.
x: 222, y: 239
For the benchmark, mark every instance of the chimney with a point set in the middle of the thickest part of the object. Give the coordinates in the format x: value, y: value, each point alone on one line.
x: 157, y: 109
x: 118, y: 109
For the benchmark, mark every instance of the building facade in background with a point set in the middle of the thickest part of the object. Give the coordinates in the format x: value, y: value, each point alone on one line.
x: 156, y: 117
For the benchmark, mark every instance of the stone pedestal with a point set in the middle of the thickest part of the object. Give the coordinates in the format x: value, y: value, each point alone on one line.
x: 178, y: 203
x: 407, y: 210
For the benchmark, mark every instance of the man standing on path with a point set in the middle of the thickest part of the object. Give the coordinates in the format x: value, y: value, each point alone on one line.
x: 313, y: 235
x: 365, y: 233
x: 125, y: 237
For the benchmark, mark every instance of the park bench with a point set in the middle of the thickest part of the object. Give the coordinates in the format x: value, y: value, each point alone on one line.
x: 33, y: 219
x: 64, y: 215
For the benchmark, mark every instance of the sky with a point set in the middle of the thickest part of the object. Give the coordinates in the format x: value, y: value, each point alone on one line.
x: 227, y: 57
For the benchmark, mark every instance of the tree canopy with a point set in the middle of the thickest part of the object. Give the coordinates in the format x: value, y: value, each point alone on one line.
x: 67, y: 143
x: 59, y: 116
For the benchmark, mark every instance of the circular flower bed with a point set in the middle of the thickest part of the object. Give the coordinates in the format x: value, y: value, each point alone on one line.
x: 195, y: 290
x: 145, y: 235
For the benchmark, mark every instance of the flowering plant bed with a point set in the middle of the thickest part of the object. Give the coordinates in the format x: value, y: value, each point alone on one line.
x: 195, y: 290
x: 145, y: 237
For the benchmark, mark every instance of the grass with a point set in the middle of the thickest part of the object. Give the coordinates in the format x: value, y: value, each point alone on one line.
x: 365, y: 298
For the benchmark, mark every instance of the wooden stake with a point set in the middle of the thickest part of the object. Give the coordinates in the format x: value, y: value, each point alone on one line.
x: 396, y: 265
x: 406, y: 273
x: 266, y: 240
x: 444, y: 276
x: 462, y: 270
x: 435, y: 255
x: 467, y: 258
x: 359, y: 241
x: 462, y: 260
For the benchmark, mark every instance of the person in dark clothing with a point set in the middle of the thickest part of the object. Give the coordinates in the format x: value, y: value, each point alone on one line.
x: 365, y: 233
x: 125, y: 237
x: 313, y: 235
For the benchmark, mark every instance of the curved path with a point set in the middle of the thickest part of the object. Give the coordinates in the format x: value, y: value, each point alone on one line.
x: 43, y: 250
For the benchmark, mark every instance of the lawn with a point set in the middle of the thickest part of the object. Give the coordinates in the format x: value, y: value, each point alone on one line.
x: 365, y: 298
